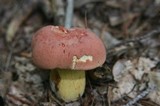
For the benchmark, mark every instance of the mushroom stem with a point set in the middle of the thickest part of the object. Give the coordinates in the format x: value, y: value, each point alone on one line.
x: 67, y: 84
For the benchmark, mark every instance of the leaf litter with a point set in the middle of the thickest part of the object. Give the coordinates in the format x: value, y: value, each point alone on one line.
x: 129, y: 30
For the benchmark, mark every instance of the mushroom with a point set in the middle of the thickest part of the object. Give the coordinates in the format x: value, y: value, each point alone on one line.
x: 68, y: 53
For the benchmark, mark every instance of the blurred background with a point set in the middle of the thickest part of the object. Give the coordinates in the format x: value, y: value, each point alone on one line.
x: 130, y: 29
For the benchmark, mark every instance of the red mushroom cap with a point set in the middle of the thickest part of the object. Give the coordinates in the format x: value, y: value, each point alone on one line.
x: 76, y: 48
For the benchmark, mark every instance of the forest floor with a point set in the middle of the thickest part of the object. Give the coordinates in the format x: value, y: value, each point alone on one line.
x: 130, y: 30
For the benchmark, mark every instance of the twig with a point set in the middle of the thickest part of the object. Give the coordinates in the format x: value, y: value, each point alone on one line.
x: 131, y: 42
x: 19, y: 18
x: 140, y: 96
x: 11, y: 48
x: 86, y: 23
x: 69, y: 13
x: 16, y: 99
x: 8, y: 60
x: 154, y: 32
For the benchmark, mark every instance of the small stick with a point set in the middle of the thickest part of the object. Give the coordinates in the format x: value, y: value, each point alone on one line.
x: 69, y: 13
x: 16, y: 99
x: 9, y: 57
x: 140, y: 96
x: 131, y: 42
x: 152, y: 33
x: 86, y: 26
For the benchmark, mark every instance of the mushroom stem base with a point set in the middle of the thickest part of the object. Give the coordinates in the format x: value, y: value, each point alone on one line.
x: 66, y: 84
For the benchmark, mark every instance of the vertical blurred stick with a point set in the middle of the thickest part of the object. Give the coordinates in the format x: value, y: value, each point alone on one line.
x: 69, y: 13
